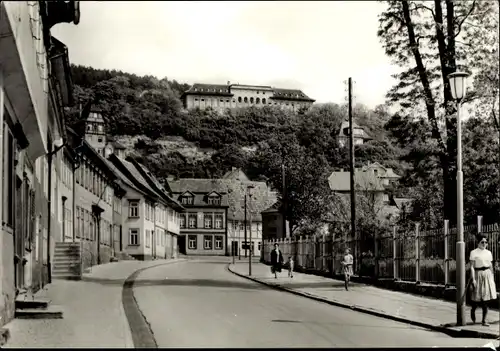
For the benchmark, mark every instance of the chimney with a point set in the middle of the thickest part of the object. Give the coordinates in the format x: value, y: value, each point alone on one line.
x: 228, y: 82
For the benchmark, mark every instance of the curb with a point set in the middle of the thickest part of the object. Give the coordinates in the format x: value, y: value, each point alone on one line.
x: 457, y: 333
x: 142, y: 334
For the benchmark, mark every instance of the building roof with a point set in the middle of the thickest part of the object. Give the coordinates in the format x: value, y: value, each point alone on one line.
x: 208, y: 89
x: 260, y: 200
x: 290, y: 94
x: 364, y: 181
x: 232, y: 191
x: 118, y: 146
x: 200, y: 188
x: 225, y: 90
x: 156, y: 185
x: 345, y: 124
x: 387, y: 172
x: 276, y: 207
x: 235, y: 173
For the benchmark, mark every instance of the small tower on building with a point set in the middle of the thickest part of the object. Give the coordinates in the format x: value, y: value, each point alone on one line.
x: 95, y: 131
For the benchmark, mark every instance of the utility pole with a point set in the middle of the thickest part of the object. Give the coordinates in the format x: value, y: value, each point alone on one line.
x: 283, y: 205
x: 351, y: 161
x: 246, y: 243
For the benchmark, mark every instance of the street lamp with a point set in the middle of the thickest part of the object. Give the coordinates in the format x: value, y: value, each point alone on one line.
x: 250, y: 246
x: 458, y: 87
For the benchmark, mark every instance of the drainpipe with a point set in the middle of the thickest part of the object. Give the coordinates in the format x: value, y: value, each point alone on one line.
x: 153, y: 239
x: 1, y: 150
x: 49, y: 203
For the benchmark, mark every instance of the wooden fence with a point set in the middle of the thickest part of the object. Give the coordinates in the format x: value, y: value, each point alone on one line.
x: 419, y: 256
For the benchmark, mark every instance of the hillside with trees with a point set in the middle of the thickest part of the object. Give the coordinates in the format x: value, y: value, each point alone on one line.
x: 146, y: 114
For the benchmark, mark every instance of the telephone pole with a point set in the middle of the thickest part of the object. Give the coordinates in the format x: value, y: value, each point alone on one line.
x: 351, y: 161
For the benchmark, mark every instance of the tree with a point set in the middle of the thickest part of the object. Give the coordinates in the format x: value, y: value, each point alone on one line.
x: 428, y: 40
x: 306, y: 174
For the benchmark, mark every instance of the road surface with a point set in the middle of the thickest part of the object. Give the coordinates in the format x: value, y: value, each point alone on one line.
x: 200, y: 304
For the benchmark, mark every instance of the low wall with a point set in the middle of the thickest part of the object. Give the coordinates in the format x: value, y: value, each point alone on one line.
x: 421, y: 289
x: 89, y: 254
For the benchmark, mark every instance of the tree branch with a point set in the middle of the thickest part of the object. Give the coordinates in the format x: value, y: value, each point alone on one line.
x: 465, y: 17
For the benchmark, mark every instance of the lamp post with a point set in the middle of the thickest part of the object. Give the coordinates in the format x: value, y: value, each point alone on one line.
x: 250, y: 246
x: 458, y: 87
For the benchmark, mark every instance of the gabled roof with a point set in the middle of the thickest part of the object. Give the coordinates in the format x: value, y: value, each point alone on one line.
x: 387, y: 172
x: 236, y: 174
x: 155, y: 185
x: 363, y: 181
x: 261, y: 199
x: 345, y: 124
x: 133, y: 176
x: 232, y: 192
x: 199, y: 188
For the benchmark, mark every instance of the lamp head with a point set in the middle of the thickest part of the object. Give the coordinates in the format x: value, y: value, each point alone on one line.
x: 458, y: 84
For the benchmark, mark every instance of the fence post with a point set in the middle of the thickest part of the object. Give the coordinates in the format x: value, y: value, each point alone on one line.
x: 376, y: 255
x: 315, y: 240
x: 323, y: 253
x: 395, y: 253
x: 479, y: 224
x: 417, y: 253
x: 446, y: 253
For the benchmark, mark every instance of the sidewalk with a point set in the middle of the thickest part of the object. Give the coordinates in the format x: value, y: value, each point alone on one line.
x: 93, y: 311
x: 421, y: 311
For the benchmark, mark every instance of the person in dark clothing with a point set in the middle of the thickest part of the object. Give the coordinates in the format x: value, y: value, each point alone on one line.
x: 276, y: 260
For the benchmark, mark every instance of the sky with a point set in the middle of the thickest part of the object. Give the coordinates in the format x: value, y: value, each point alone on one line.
x: 312, y: 46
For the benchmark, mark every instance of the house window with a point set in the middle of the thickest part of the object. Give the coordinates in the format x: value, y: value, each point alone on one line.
x: 192, y: 242
x: 257, y: 100
x: 386, y: 198
x: 218, y: 242
x: 241, y: 226
x: 218, y: 221
x: 187, y: 200
x: 207, y: 242
x: 245, y: 99
x: 214, y: 200
x: 192, y: 221
x: 235, y: 225
x: 259, y: 246
x: 133, y: 207
x: 208, y: 221
x: 264, y: 100
x: 251, y: 100
x: 133, y: 238
x: 148, y: 238
x: 182, y: 223
x: 239, y: 98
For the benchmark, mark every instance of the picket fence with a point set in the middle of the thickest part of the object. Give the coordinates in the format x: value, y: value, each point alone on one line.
x: 415, y: 255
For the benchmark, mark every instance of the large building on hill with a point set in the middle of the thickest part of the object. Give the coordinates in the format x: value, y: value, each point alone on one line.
x: 235, y: 95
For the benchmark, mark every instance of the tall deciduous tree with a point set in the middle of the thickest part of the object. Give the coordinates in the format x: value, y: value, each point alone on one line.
x: 428, y: 41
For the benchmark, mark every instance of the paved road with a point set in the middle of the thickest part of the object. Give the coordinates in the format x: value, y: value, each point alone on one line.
x: 200, y: 304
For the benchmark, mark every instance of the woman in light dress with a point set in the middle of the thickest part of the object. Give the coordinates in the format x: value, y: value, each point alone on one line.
x: 482, y: 279
x: 347, y: 265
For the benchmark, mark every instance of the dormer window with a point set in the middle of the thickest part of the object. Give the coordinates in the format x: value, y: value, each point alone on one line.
x: 187, y: 200
x: 213, y: 200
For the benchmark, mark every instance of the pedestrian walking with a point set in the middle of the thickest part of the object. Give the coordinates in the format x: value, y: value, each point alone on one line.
x: 276, y: 260
x: 482, y: 279
x: 347, y: 266
x: 291, y: 264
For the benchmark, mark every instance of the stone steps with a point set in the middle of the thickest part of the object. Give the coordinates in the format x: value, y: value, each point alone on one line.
x: 67, y: 261
x: 50, y: 312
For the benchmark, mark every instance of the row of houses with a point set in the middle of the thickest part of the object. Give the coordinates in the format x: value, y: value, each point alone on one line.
x: 67, y: 203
